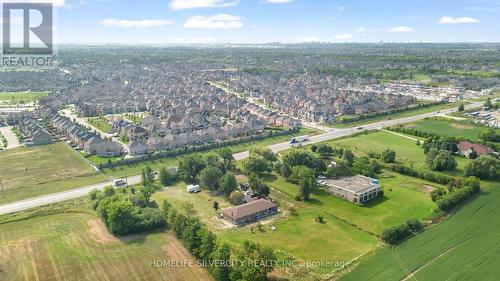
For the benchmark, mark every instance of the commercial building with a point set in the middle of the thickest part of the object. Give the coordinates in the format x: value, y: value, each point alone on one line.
x: 358, y: 189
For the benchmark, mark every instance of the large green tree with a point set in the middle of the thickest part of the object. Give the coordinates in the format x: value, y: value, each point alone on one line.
x: 190, y: 167
x: 228, y: 184
x: 209, y: 177
x: 484, y: 167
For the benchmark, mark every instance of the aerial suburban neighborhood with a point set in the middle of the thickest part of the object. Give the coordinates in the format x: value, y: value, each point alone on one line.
x: 250, y: 140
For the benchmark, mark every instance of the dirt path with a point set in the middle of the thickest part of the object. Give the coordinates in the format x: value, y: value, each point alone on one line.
x: 177, y: 252
x: 401, y: 135
x: 12, y: 141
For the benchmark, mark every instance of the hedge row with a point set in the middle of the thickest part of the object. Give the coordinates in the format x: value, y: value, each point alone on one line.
x: 398, y: 233
x: 425, y: 175
x: 450, y: 200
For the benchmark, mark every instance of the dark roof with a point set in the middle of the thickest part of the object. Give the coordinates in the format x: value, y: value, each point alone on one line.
x: 249, y: 208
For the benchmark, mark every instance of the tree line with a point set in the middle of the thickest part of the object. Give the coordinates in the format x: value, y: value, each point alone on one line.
x: 248, y: 261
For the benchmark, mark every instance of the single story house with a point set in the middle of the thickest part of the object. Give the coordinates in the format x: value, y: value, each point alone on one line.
x: 465, y: 148
x: 249, y: 212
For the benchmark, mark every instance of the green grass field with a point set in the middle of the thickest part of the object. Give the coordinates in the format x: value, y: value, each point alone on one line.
x: 13, y: 98
x: 30, y: 171
x: 350, y: 230
x: 448, y: 127
x: 403, y: 114
x: 464, y: 247
x: 75, y: 245
x: 100, y: 123
x: 407, y: 152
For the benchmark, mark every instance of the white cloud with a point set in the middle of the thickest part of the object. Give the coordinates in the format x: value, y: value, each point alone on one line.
x: 360, y: 29
x: 400, y: 29
x: 219, y: 21
x: 191, y: 4
x: 343, y: 37
x: 136, y: 23
x: 458, y: 20
x: 278, y: 1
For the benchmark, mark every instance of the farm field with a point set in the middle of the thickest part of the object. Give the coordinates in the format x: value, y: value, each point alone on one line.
x: 464, y: 247
x: 448, y: 128
x: 31, y: 171
x: 63, y: 246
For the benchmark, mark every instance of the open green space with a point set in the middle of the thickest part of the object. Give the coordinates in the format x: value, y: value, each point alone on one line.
x: 407, y: 113
x: 30, y: 171
x: 65, y: 240
x: 449, y: 127
x: 464, y: 247
x: 100, y: 123
x: 407, y: 151
x: 135, y: 118
x: 404, y: 197
x: 14, y: 98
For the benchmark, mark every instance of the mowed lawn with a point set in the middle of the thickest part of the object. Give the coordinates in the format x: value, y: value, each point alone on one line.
x: 100, y: 123
x: 464, y: 247
x: 29, y: 171
x: 407, y: 151
x: 77, y: 246
x: 21, y: 97
x: 404, y: 197
x: 449, y: 128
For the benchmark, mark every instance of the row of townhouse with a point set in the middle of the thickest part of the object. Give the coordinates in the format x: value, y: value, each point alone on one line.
x: 271, y: 117
x: 210, y: 134
x: 84, y: 139
x: 34, y: 132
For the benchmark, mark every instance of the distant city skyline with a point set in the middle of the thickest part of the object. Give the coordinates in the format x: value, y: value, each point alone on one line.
x: 265, y: 21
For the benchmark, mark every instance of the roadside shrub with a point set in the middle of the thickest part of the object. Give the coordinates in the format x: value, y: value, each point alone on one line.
x: 395, y: 234
x: 414, y: 225
x: 450, y: 200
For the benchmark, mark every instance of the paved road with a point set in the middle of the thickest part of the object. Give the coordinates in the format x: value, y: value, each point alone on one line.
x: 331, y: 134
x: 58, y: 197
x: 12, y: 141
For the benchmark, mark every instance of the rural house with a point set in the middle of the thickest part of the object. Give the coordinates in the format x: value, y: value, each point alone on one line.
x: 250, y: 212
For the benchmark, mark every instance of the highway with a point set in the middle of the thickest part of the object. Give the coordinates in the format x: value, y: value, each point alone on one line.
x: 330, y: 134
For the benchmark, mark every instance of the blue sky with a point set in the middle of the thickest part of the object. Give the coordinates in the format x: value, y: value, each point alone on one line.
x: 261, y: 21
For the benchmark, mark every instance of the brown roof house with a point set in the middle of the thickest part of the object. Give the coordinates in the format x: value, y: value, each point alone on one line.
x: 250, y: 212
x: 465, y: 148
